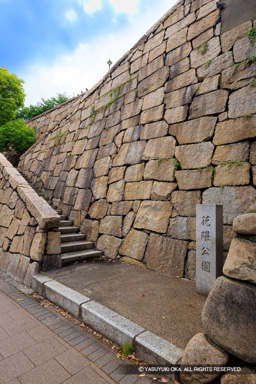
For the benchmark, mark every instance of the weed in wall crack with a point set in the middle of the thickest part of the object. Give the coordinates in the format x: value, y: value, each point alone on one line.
x: 252, y: 35
x: 207, y: 64
x: 203, y: 48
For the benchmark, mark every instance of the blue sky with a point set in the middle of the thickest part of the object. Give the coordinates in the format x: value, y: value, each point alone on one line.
x: 64, y: 45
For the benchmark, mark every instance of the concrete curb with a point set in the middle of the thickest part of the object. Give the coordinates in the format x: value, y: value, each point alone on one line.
x: 149, y: 347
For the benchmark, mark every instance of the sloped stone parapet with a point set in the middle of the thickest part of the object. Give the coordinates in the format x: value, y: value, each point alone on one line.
x: 229, y: 318
x: 28, y: 226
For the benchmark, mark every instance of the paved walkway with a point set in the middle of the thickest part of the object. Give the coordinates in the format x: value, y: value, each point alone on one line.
x: 38, y: 346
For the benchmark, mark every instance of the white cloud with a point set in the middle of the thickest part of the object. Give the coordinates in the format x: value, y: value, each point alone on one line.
x: 71, y: 15
x: 90, y: 6
x: 130, y: 7
x: 86, y: 65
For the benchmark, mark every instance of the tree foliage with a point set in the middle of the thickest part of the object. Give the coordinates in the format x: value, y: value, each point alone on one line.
x: 16, y: 136
x: 28, y: 113
x: 12, y: 95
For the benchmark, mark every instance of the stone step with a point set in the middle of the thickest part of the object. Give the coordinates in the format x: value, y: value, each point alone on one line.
x: 64, y: 217
x: 68, y: 229
x: 66, y: 223
x: 59, y: 211
x: 79, y: 256
x: 76, y: 246
x: 72, y: 237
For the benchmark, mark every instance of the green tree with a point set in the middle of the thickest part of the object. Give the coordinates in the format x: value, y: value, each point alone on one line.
x: 28, y: 113
x: 15, y: 136
x: 12, y: 95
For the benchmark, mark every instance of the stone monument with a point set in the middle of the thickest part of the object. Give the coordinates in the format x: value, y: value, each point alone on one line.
x: 209, y: 246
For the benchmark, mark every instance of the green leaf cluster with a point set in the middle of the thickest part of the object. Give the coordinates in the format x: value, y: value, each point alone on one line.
x: 12, y: 95
x: 28, y: 113
x: 16, y: 136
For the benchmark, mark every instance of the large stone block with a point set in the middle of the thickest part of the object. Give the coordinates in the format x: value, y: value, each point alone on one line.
x: 140, y: 190
x: 83, y: 199
x: 111, y: 225
x: 121, y: 208
x: 194, y: 155
x: 130, y: 153
x: 232, y: 131
x: 182, y: 228
x: 242, y: 102
x: 98, y: 209
x: 181, y: 81
x: 245, y: 376
x: 153, y: 82
x: 166, y: 255
x: 209, y: 84
x: 87, y: 159
x: 154, y: 216
x: 229, y: 318
x: 177, y: 39
x: 240, y: 263
x: 213, y: 50
x: 152, y: 114
x: 209, y: 104
x: 180, y: 97
x: 134, y: 244
x: 91, y: 229
x: 53, y: 245
x: 128, y: 222
x: 235, y: 200
x: 13, y: 228
x: 150, y: 68
x: 229, y: 38
x: 232, y: 174
x: 102, y: 166
x: 131, y: 109
x: 154, y: 130
x: 176, y: 115
x: 202, y: 25
x: 37, y: 249
x: 216, y: 66
x: 116, y: 191
x: 134, y: 173
x: 185, y: 202
x: 162, y: 190
x: 245, y: 224
x: 159, y: 170
x: 109, y: 245
x: 153, y: 99
x: 200, y: 352
x: 178, y: 54
x: 116, y: 174
x: 84, y: 178
x: 6, y: 215
x: 196, y: 179
x: 99, y: 187
x: 161, y: 148
x: 230, y: 153
x: 194, y: 131
x: 179, y: 68
x: 189, y: 19
x: 131, y: 134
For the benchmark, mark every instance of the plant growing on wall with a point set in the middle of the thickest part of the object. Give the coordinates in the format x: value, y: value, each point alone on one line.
x: 252, y: 35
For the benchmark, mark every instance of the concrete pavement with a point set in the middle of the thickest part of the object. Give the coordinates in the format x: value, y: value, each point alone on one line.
x: 38, y: 346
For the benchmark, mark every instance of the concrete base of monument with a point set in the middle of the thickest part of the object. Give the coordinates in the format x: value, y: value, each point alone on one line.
x: 156, y: 312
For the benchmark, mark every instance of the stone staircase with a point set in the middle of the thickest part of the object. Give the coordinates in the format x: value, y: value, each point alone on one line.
x: 74, y: 247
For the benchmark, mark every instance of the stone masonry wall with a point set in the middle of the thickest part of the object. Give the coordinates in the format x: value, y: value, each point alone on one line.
x: 29, y: 237
x: 171, y: 125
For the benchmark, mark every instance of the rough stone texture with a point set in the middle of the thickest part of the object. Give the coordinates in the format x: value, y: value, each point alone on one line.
x: 154, y: 216
x: 194, y: 155
x: 134, y: 245
x: 240, y: 263
x: 183, y: 228
x: 202, y: 25
x: 162, y: 148
x: 246, y: 376
x: 245, y: 224
x: 235, y: 332
x: 154, y: 130
x: 242, y: 103
x: 194, y: 179
x: 53, y: 245
x: 130, y: 153
x: 232, y: 174
x: 185, y: 202
x: 200, y: 352
x: 235, y: 200
x: 38, y: 246
x: 134, y: 173
x: 162, y: 191
x: 176, y: 115
x: 194, y: 131
x: 208, y: 104
x: 98, y: 209
x: 116, y: 191
x: 91, y: 229
x: 229, y: 38
x: 166, y: 255
x: 232, y: 131
x: 140, y: 190
x: 111, y: 225
x: 109, y: 245
x: 213, y: 50
x: 159, y: 170
x: 121, y: 208
x: 99, y: 187
x: 232, y: 152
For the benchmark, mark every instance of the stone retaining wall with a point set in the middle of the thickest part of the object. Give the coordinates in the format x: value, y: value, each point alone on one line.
x: 171, y: 125
x: 29, y: 237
